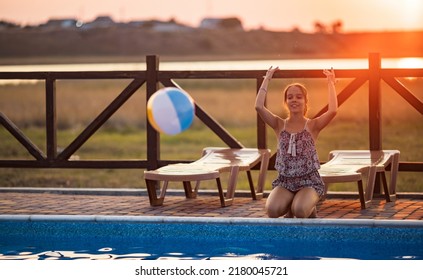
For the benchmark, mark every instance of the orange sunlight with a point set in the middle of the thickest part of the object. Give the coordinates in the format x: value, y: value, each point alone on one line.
x: 410, y: 62
x: 356, y: 15
x: 411, y: 12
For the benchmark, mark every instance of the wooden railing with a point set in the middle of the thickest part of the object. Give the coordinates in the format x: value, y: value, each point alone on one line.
x: 152, y: 76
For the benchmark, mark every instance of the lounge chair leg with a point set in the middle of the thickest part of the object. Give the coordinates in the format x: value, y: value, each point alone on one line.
x: 371, y: 179
x: 223, y: 201
x: 251, y: 183
x: 394, y: 172
x: 233, y: 179
x: 361, y: 194
x: 152, y: 193
x: 197, y: 186
x: 262, y: 175
x: 255, y: 194
x: 385, y: 188
x: 189, y: 193
x: 264, y: 164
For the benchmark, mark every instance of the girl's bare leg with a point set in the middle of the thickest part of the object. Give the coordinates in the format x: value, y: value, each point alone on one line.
x: 304, y: 203
x: 279, y: 202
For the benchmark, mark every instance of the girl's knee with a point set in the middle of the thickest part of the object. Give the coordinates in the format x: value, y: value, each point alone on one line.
x: 272, y: 214
x: 300, y: 212
x: 272, y: 211
x: 278, y: 202
x: 304, y: 203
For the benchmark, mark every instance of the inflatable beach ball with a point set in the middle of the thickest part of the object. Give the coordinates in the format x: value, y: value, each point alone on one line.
x: 170, y: 110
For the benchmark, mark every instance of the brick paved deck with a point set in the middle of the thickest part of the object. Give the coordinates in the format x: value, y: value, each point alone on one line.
x: 135, y: 203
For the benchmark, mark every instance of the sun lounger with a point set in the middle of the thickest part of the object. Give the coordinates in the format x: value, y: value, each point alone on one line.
x: 210, y: 166
x: 354, y: 165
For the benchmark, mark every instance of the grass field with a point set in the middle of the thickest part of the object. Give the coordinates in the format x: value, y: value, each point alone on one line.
x: 230, y: 102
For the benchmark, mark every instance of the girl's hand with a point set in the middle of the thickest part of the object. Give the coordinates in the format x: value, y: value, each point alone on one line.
x: 330, y: 74
x: 270, y: 72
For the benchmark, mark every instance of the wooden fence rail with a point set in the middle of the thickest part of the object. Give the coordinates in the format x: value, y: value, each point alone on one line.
x: 152, y: 77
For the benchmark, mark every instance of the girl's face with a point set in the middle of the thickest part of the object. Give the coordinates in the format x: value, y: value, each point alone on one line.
x: 295, y: 100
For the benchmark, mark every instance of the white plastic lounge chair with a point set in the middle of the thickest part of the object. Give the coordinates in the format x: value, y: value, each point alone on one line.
x: 353, y: 165
x: 215, y: 160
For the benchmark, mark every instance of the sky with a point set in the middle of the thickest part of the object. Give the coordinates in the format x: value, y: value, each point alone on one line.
x: 277, y: 15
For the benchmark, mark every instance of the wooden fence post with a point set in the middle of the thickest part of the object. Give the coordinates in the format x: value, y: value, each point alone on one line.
x: 375, y: 108
x: 51, y: 121
x: 153, y: 137
x: 375, y: 105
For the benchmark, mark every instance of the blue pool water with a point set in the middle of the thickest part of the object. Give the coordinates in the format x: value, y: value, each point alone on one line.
x: 67, y: 237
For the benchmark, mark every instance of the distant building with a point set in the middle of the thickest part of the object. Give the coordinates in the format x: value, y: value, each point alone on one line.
x: 169, y: 26
x: 222, y: 23
x: 160, y: 26
x: 100, y: 22
x: 61, y: 23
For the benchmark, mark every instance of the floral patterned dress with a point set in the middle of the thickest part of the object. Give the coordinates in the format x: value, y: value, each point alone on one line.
x: 297, y: 162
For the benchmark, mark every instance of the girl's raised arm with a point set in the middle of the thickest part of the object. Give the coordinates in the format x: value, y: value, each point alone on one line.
x: 267, y: 116
x: 324, y: 119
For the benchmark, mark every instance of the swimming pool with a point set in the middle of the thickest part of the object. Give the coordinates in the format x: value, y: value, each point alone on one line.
x: 114, y: 237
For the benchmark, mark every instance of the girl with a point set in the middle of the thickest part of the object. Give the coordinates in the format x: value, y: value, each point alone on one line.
x: 298, y: 187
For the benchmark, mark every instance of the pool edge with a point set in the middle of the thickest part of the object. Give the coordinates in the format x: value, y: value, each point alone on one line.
x: 212, y: 220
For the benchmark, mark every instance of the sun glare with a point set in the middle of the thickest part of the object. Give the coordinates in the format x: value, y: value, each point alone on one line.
x: 410, y: 62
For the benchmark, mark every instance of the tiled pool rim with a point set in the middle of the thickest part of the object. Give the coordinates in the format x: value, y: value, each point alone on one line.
x: 134, y: 202
x: 208, y: 220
